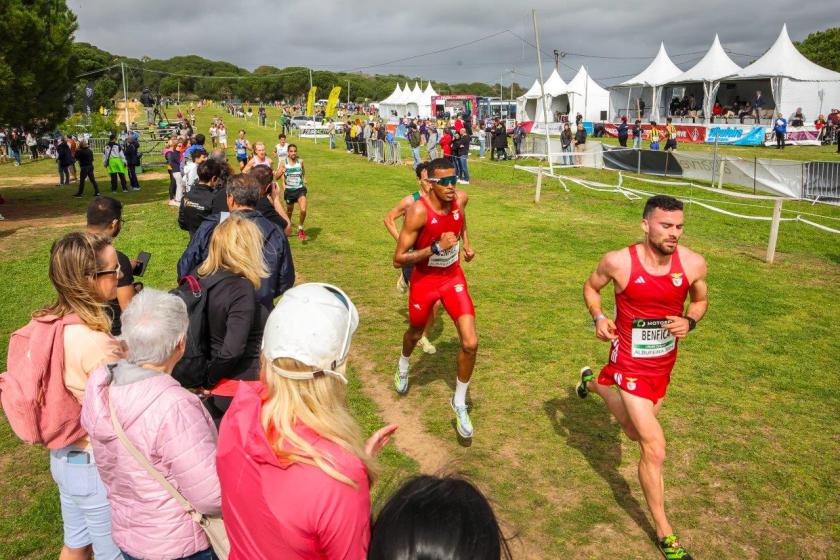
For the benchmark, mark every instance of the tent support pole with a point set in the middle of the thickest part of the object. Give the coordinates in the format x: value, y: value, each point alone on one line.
x: 542, y: 94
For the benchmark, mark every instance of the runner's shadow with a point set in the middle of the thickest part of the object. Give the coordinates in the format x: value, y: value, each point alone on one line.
x: 442, y: 365
x: 311, y: 233
x: 588, y: 428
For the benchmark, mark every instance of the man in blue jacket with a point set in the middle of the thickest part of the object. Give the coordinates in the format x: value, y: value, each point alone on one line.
x: 780, y: 128
x: 243, y: 193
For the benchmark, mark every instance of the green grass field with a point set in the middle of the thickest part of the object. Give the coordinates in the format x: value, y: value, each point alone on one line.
x: 752, y: 413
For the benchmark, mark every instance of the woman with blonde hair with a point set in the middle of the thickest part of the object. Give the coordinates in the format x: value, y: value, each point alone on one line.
x: 230, y: 277
x: 294, y: 471
x: 84, y: 271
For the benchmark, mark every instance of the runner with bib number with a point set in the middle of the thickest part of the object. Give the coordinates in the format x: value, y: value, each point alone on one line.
x: 432, y: 236
x: 652, y: 280
x: 294, y: 189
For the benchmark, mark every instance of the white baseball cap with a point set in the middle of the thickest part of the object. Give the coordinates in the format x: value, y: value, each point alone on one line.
x: 313, y: 324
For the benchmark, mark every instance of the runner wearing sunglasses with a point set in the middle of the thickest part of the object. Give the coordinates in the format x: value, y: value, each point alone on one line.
x: 431, y: 239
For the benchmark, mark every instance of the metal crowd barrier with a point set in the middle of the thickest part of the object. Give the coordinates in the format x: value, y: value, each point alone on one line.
x: 380, y: 151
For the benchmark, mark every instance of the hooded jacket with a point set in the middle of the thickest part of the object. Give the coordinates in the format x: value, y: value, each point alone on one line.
x: 278, y: 255
x: 171, y: 428
x: 278, y: 509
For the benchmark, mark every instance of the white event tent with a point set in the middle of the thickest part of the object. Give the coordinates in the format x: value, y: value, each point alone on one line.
x: 555, y: 100
x: 404, y: 101
x: 648, y: 83
x: 528, y: 103
x: 425, y: 110
x: 794, y: 80
x: 389, y: 103
x: 586, y: 97
x: 415, y: 99
x: 708, y: 72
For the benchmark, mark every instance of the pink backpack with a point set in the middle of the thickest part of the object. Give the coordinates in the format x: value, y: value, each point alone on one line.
x: 38, y: 405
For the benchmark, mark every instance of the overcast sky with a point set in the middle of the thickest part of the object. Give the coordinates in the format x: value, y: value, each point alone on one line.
x: 342, y: 35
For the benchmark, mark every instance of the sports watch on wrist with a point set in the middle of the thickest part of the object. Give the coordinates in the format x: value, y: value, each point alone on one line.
x: 691, y: 323
x: 435, y: 247
x: 598, y: 318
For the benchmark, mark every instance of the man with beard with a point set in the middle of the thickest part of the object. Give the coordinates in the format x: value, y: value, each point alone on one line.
x: 652, y: 280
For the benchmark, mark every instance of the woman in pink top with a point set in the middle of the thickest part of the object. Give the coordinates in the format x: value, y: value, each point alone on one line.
x: 294, y: 472
x: 84, y: 271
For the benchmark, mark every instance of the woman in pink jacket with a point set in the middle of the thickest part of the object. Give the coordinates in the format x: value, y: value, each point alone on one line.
x: 166, y: 423
x: 295, y: 474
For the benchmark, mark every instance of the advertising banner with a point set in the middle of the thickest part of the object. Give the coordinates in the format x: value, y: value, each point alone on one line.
x: 799, y: 136
x: 310, y: 101
x: 689, y: 133
x: 736, y: 135
x: 332, y: 102
x: 88, y: 102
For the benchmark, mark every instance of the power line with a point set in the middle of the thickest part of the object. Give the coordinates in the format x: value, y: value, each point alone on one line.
x: 97, y: 71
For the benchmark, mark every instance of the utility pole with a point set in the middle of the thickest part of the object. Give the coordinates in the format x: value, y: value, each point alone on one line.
x: 557, y: 60
x: 542, y: 94
x: 348, y: 92
x: 125, y: 97
x: 179, y: 91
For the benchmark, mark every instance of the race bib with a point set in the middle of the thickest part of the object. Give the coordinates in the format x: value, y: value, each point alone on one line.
x: 293, y: 181
x: 446, y: 258
x: 651, y: 339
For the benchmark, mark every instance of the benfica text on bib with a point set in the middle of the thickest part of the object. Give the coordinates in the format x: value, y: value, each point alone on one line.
x: 650, y: 338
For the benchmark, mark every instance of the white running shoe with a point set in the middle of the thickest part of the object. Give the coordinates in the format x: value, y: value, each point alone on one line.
x: 462, y: 420
x: 401, y: 285
x: 427, y: 346
x: 174, y: 203
x: 401, y: 382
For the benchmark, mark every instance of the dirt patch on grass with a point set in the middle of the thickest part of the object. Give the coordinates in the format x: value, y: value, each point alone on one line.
x: 50, y: 180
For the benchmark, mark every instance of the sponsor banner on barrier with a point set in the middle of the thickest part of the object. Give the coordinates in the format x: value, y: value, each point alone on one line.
x: 690, y: 133
x: 799, y: 136
x: 555, y: 128
x: 735, y: 135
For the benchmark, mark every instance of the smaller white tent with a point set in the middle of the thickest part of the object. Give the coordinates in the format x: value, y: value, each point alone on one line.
x: 587, y: 97
x: 555, y: 97
x: 795, y: 81
x: 709, y: 71
x: 648, y: 83
x: 526, y: 104
x: 389, y: 103
x: 414, y: 100
x: 425, y: 110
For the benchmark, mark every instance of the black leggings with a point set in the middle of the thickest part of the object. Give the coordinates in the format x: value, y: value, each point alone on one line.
x: 132, y: 177
x: 114, y: 181
x: 87, y: 172
x: 780, y: 140
x: 173, y: 186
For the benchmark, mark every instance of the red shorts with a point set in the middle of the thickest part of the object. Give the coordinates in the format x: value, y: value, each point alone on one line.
x: 651, y: 388
x: 424, y: 291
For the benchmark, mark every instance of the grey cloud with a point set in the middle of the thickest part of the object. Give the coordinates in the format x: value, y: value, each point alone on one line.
x: 337, y: 35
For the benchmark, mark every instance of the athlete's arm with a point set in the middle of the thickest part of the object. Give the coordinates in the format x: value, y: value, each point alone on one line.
x: 600, y: 277
x: 249, y: 165
x: 415, y: 219
x: 281, y: 170
x: 469, y: 254
x: 279, y: 207
x: 399, y: 210
x: 698, y: 292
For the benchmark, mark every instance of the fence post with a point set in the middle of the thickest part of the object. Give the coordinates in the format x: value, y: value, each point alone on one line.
x: 774, y: 231
x: 720, y: 172
x: 755, y: 171
x: 620, y: 179
x: 667, y: 155
x: 639, y: 161
x: 539, y: 184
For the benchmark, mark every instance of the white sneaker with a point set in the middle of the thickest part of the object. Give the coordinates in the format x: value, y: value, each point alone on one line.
x: 461, y: 182
x: 401, y: 285
x: 427, y: 346
x: 401, y: 381
x: 174, y: 203
x: 462, y: 420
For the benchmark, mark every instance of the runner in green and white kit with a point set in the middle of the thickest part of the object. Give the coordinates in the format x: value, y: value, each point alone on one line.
x: 294, y: 189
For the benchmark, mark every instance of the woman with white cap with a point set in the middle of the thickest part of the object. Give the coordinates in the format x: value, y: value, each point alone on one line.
x: 294, y: 471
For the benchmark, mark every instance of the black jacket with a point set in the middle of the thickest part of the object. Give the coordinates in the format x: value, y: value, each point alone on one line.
x: 62, y: 152
x: 463, y: 145
x: 500, y: 138
x: 85, y: 157
x: 146, y: 99
x: 580, y: 137
x: 266, y: 208
x: 132, y: 157
x: 276, y: 251
x: 235, y: 321
x: 195, y: 206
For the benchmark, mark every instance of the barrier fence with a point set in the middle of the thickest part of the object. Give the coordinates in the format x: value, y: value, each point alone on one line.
x: 380, y: 151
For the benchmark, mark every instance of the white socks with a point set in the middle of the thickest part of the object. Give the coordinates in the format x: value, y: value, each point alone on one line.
x: 403, y: 365
x: 460, y: 392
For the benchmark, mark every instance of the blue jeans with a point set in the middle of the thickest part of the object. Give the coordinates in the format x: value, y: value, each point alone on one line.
x: 456, y: 161
x: 567, y: 159
x: 85, y: 510
x: 481, y: 147
x: 332, y: 141
x: 637, y: 142
x: 465, y: 171
x: 415, y: 152
x: 15, y: 155
x: 203, y: 555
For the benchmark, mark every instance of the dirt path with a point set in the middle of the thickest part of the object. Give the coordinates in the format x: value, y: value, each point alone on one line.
x: 48, y: 180
x: 432, y: 454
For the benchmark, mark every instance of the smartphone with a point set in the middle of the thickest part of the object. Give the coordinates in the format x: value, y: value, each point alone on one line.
x: 142, y: 263
x: 78, y: 458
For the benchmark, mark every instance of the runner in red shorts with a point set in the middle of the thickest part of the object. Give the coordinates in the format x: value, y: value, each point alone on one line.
x: 652, y: 280
x: 432, y: 236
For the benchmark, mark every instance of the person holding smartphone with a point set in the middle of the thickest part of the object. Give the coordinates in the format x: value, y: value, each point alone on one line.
x: 104, y: 217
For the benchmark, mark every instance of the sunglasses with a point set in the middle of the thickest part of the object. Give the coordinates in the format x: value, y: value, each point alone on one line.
x: 116, y: 271
x: 445, y: 181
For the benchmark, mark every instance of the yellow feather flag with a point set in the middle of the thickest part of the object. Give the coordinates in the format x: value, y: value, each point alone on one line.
x: 332, y: 103
x: 310, y: 101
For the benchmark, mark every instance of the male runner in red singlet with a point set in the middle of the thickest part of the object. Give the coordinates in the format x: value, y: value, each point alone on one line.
x: 390, y: 218
x: 652, y: 280
x: 431, y: 240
